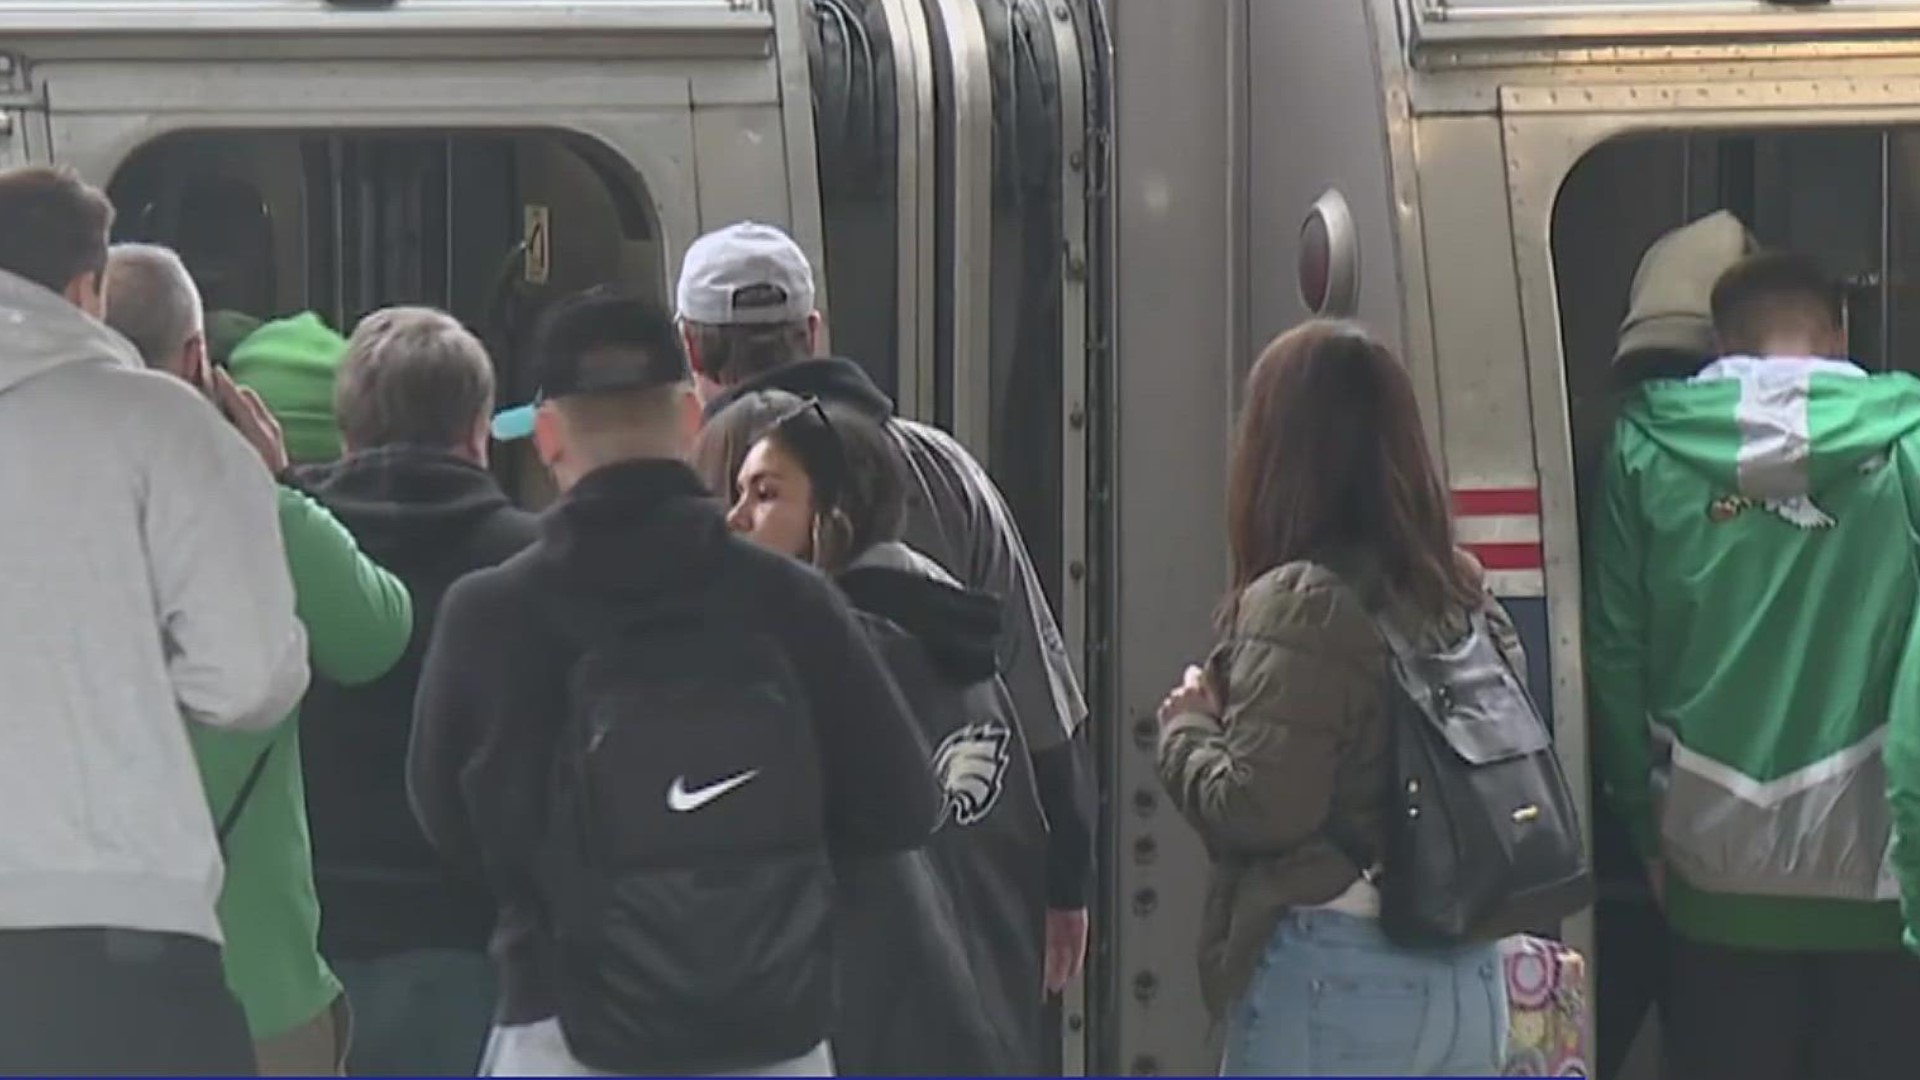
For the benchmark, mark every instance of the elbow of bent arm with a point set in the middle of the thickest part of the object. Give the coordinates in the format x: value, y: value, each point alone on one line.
x: 248, y: 696
x: 365, y: 657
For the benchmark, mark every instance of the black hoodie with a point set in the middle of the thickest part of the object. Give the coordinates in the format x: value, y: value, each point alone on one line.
x: 430, y: 518
x: 989, y: 853
x: 957, y: 516
x: 494, y: 692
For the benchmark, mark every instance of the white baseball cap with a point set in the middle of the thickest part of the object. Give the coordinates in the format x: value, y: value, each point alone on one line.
x: 745, y: 274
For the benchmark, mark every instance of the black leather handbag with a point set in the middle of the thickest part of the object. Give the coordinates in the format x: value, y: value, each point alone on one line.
x: 1482, y: 835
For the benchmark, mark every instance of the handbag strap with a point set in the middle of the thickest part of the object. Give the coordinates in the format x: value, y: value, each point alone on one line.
x: 245, y: 794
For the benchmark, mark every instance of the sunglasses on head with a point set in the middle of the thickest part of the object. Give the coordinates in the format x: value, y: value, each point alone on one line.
x: 786, y: 426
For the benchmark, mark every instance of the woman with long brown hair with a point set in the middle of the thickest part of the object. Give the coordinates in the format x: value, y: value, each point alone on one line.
x: 1337, y: 517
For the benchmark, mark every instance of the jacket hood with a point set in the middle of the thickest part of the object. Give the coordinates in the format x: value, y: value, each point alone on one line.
x: 292, y: 364
x: 402, y: 501
x: 959, y: 628
x: 832, y: 378
x: 1669, y: 307
x: 636, y: 529
x: 1778, y: 428
x: 42, y: 331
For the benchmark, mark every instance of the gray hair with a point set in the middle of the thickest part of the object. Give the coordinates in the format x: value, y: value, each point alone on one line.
x: 413, y: 376
x: 153, y: 302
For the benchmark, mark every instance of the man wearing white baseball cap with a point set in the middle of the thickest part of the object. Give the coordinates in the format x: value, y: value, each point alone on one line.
x: 746, y: 310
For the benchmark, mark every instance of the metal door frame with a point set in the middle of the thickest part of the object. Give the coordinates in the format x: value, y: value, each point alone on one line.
x: 962, y: 37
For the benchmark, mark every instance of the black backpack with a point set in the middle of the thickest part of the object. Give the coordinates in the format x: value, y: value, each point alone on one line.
x: 1482, y: 836
x: 685, y: 869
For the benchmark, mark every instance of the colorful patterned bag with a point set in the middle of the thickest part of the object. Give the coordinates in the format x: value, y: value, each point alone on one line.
x: 1546, y: 1008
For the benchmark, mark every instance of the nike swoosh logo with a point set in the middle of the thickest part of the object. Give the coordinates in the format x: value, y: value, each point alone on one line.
x: 682, y: 801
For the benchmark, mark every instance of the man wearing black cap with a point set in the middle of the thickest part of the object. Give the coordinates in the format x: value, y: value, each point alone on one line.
x: 653, y: 736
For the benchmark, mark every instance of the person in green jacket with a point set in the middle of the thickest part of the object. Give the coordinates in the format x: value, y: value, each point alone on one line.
x: 358, y: 619
x: 1752, y: 584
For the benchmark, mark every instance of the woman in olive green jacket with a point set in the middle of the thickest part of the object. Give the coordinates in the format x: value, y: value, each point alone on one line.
x: 1336, y: 514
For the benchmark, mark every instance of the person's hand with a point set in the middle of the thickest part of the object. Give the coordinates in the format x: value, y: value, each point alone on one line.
x: 251, y: 417
x: 1193, y: 695
x: 1066, y: 947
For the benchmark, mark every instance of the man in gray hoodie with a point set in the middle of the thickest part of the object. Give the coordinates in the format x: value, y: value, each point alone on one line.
x: 142, y: 587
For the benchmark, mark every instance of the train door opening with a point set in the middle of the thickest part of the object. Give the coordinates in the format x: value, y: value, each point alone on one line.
x: 490, y: 226
x: 1849, y: 197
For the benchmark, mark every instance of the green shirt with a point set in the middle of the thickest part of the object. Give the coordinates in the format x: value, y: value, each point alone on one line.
x: 358, y: 619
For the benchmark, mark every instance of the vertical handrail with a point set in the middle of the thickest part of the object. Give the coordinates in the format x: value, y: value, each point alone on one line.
x: 916, y: 198
x: 967, y: 162
x: 1076, y: 150
x: 806, y: 221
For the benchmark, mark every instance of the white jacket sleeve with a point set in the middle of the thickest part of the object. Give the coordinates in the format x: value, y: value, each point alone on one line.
x: 236, y: 653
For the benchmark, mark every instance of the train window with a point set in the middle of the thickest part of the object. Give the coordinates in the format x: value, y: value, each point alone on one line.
x: 490, y: 226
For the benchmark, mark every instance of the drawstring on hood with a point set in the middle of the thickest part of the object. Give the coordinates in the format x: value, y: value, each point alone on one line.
x: 959, y: 628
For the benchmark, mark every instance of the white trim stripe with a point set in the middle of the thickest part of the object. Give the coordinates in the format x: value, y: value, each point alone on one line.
x: 1766, y: 793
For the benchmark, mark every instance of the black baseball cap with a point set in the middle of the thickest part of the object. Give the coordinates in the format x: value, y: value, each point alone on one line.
x: 602, y: 341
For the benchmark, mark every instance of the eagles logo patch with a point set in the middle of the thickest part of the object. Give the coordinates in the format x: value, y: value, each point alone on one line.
x: 1799, y: 511
x: 971, y: 765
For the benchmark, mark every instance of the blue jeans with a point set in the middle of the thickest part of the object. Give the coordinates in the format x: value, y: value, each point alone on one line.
x: 420, y: 1013
x: 1332, y: 997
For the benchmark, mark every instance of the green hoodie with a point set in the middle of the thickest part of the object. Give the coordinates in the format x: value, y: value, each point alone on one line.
x: 292, y: 364
x: 1752, y: 582
x: 358, y: 619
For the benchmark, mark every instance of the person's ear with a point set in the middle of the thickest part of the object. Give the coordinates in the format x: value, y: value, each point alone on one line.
x: 480, y: 439
x: 193, y: 362
x: 87, y: 291
x: 690, y: 420
x: 549, y: 436
x: 691, y: 344
x: 813, y: 333
x: 832, y: 540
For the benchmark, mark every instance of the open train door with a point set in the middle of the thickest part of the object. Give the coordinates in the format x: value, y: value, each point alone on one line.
x: 1617, y: 123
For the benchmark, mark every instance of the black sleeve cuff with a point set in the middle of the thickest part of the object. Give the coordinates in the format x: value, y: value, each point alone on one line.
x: 1066, y: 796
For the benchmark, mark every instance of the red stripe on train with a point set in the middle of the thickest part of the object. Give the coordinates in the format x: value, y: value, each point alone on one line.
x: 1508, y: 556
x: 1496, y: 502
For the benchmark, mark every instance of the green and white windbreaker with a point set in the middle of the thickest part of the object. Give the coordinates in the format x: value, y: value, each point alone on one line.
x: 1751, y: 591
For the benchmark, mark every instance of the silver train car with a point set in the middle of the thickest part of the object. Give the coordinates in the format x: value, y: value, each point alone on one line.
x: 1062, y: 228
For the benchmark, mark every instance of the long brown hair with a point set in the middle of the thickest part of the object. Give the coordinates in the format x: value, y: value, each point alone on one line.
x: 1330, y: 461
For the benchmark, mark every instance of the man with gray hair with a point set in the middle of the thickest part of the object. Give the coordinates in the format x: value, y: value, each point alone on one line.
x: 408, y: 936
x: 358, y: 619
x: 159, y: 309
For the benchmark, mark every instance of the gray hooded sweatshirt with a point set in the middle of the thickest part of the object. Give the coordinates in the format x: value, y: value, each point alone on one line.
x: 142, y: 586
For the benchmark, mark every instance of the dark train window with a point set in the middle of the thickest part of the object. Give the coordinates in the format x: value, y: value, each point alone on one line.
x: 341, y: 223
